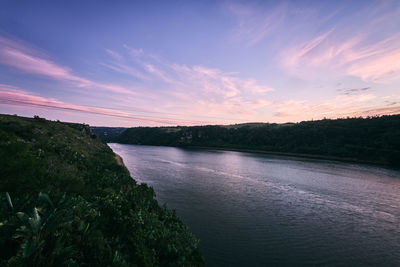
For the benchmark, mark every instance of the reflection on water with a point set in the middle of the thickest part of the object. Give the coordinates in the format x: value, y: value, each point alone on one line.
x: 258, y: 210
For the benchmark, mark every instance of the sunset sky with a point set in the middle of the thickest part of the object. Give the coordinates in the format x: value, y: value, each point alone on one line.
x: 120, y: 63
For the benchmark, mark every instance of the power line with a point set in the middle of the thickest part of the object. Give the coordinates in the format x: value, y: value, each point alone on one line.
x: 132, y: 117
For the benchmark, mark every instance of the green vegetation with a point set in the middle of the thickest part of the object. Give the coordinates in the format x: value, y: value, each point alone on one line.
x: 375, y: 140
x: 107, y: 134
x: 65, y: 201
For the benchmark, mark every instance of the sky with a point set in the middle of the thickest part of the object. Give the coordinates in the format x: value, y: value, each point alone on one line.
x: 153, y: 63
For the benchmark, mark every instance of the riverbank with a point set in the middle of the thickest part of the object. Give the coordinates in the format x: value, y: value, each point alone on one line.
x: 361, y: 140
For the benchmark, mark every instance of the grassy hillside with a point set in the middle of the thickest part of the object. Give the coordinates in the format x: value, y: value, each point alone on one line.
x: 374, y: 139
x: 66, y: 201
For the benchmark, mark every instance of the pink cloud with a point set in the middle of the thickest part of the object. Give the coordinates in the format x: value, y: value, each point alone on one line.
x: 23, y: 58
x: 340, y: 106
x: 157, y: 72
x: 217, y: 82
x: 114, y: 54
x: 125, y: 69
x: 194, y: 90
x: 12, y: 95
x: 295, y: 56
x: 360, y: 55
x: 378, y: 112
x: 133, y: 51
x: 382, y: 68
x: 228, y: 96
x: 219, y: 94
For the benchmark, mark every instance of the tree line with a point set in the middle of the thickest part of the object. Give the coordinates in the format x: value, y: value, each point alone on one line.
x: 373, y: 139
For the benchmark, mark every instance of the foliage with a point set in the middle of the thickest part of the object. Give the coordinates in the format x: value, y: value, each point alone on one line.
x: 69, y: 203
x: 107, y: 134
x: 374, y: 139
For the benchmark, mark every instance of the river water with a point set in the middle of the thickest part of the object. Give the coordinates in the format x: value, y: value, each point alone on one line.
x: 262, y: 210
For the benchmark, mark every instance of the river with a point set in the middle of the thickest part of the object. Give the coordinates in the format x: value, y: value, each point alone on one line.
x: 262, y: 210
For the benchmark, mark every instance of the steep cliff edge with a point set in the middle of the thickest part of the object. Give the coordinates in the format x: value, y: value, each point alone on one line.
x: 67, y: 200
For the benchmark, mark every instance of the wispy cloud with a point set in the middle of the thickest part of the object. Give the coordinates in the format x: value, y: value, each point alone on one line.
x: 23, y: 58
x: 158, y: 73
x: 340, y: 106
x: 16, y: 96
x: 126, y: 69
x: 193, y: 93
x: 349, y: 91
x: 134, y: 51
x: 20, y: 56
x: 377, y: 112
x: 114, y: 54
x: 195, y: 90
x: 384, y: 66
x: 254, y: 23
x: 366, y: 51
x: 295, y: 57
